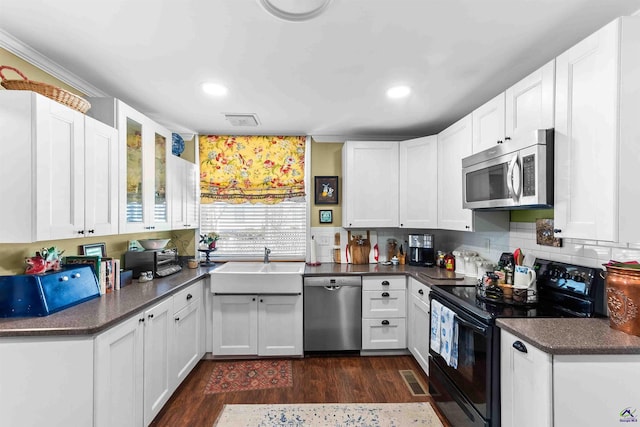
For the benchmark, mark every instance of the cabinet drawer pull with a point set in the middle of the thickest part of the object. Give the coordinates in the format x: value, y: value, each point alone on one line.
x: 420, y: 291
x: 519, y: 345
x: 385, y: 294
x: 385, y: 322
x: 189, y: 296
x: 385, y: 283
x: 177, y: 319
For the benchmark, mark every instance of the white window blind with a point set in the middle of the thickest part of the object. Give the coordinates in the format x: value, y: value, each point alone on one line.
x: 246, y: 229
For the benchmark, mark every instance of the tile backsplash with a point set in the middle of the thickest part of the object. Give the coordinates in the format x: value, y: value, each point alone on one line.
x: 490, y: 245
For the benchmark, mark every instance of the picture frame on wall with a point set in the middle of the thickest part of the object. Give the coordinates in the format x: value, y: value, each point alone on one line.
x: 326, y: 216
x: 326, y: 190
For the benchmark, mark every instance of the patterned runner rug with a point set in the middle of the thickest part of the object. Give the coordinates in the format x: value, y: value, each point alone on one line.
x: 329, y: 415
x: 249, y: 375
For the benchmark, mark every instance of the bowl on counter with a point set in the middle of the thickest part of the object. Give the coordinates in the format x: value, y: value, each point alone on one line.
x: 153, y: 244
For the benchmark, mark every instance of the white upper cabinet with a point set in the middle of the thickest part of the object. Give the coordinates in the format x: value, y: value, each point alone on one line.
x: 184, y: 193
x: 370, y: 184
x: 597, y: 139
x: 529, y: 104
x: 418, y: 189
x: 58, y: 168
x: 144, y: 150
x: 101, y: 179
x: 488, y: 124
x: 454, y: 143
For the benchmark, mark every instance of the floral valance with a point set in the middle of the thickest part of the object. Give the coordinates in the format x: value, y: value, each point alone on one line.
x: 239, y: 169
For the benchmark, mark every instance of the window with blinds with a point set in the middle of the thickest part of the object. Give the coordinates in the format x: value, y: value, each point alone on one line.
x: 246, y: 229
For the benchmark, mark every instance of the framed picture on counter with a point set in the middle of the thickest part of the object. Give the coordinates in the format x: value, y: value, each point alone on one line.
x: 326, y: 216
x: 94, y: 249
x: 326, y: 190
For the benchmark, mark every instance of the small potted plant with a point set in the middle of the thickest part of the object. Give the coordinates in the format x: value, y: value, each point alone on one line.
x: 209, y: 240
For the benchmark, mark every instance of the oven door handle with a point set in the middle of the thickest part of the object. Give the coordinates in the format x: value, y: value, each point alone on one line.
x: 470, y: 325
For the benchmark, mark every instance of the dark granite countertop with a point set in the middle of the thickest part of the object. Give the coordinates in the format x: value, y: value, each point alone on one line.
x: 426, y: 275
x: 100, y: 313
x: 572, y: 336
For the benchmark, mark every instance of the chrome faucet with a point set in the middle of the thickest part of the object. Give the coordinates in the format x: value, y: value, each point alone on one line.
x: 267, y: 251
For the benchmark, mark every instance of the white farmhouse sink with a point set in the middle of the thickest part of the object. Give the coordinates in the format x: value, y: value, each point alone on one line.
x: 257, y: 278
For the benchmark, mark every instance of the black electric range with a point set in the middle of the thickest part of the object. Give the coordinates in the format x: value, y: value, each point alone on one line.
x: 470, y: 390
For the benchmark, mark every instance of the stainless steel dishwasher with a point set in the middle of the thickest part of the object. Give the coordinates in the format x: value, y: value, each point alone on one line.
x: 332, y: 313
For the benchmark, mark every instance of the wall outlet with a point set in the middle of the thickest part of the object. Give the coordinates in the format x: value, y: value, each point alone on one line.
x: 323, y: 240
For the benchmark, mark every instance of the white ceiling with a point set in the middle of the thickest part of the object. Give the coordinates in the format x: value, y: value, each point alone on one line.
x: 326, y: 76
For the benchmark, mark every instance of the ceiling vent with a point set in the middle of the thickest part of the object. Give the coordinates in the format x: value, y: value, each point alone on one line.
x: 242, y: 119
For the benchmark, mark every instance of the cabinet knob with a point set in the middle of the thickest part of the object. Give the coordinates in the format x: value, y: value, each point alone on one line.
x: 467, y: 227
x: 557, y: 230
x: 75, y: 275
x: 92, y: 231
x: 420, y: 291
x: 261, y: 300
x: 150, y: 316
x: 385, y: 294
x: 519, y: 345
x: 499, y: 142
x: 385, y: 283
x: 64, y: 279
x: 80, y: 231
x: 385, y: 322
x: 189, y: 296
x: 177, y: 319
x: 253, y: 299
x: 401, y: 225
x: 507, y: 138
x: 141, y: 320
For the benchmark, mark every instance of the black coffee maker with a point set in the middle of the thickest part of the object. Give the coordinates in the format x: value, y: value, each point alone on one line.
x: 421, y: 250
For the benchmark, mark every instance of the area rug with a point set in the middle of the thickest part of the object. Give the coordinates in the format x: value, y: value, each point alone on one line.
x: 249, y: 375
x: 329, y: 415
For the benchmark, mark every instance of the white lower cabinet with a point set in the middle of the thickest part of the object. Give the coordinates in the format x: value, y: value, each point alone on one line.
x: 46, y: 381
x: 526, y: 383
x: 541, y: 389
x: 263, y: 325
x: 140, y: 362
x: 384, y: 323
x: 188, y: 331
x: 158, y: 348
x: 418, y: 321
x: 119, y: 374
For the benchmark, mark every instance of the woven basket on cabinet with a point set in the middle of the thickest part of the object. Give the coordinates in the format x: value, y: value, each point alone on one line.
x: 57, y: 94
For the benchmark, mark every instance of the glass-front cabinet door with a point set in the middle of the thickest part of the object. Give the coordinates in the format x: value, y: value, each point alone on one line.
x: 143, y: 197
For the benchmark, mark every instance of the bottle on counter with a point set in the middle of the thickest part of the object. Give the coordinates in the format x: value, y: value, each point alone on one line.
x: 508, y: 274
x: 440, y: 259
x: 449, y: 262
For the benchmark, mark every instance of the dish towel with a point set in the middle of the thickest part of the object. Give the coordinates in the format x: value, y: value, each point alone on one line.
x: 449, y: 337
x: 436, y: 309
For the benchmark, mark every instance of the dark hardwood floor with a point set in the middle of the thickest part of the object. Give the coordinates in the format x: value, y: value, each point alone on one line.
x: 316, y: 379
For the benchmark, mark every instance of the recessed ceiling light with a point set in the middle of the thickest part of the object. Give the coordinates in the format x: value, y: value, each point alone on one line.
x: 398, y: 92
x: 214, y: 89
x: 295, y: 10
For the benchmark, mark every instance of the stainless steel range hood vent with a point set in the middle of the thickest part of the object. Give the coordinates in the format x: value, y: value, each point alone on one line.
x: 236, y: 119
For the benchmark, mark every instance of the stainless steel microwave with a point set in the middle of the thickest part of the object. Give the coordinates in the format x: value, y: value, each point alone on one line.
x: 513, y: 175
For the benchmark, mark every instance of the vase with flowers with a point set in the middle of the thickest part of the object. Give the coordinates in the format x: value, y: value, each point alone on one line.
x: 208, y: 240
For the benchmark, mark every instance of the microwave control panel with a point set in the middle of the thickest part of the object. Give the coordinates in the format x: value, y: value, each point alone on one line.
x: 529, y: 176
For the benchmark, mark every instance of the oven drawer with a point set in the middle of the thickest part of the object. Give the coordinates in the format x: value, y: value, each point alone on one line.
x: 383, y: 304
x: 450, y: 401
x: 384, y: 283
x: 384, y: 334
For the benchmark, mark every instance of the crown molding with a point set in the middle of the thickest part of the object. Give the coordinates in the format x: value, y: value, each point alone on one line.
x: 21, y: 50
